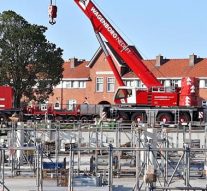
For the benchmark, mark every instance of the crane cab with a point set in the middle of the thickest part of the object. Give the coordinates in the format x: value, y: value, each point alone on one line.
x: 125, y: 95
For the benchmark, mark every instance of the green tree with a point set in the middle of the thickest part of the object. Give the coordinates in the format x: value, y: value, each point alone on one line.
x: 28, y: 61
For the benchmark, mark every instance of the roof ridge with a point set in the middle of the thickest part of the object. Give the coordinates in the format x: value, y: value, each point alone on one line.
x: 166, y: 59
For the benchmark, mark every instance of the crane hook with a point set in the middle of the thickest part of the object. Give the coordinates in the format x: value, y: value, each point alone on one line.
x: 52, y: 11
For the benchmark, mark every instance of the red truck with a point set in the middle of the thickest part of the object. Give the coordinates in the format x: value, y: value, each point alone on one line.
x: 42, y: 111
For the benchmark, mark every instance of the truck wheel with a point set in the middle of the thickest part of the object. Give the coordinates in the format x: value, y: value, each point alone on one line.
x: 59, y: 118
x: 4, y: 118
x: 84, y: 119
x: 184, y: 118
x: 71, y: 119
x: 139, y: 117
x: 164, y: 117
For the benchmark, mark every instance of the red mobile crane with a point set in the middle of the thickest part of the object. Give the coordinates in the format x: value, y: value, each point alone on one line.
x: 131, y: 58
x: 154, y: 96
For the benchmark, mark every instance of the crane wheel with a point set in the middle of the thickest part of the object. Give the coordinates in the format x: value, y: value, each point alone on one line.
x: 165, y: 117
x: 4, y: 118
x: 139, y: 117
x: 184, y: 118
x: 123, y: 116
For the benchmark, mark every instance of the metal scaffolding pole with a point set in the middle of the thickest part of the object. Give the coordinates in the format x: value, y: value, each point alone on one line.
x: 110, y: 168
x: 138, y: 163
x: 57, y: 148
x: 187, y: 165
x: 166, y: 157
x: 39, y: 182
x: 96, y: 152
x: 2, y: 168
x: 79, y: 144
x: 205, y: 146
x: 70, y: 173
x: 12, y: 144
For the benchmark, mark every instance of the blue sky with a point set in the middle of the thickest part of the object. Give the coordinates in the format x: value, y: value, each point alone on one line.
x: 174, y: 29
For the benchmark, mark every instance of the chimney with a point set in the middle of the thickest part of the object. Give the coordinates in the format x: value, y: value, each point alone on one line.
x: 159, y: 60
x: 73, y: 62
x: 192, y: 60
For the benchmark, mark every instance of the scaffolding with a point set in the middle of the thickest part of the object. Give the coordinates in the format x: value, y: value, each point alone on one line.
x: 106, y: 150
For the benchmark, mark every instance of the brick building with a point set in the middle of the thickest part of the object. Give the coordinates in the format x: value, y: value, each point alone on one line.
x: 93, y: 81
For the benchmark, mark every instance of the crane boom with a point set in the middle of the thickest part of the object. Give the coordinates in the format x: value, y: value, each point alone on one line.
x: 126, y: 52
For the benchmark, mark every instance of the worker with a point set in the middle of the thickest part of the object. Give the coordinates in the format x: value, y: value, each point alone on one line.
x: 92, y: 164
x: 85, y: 101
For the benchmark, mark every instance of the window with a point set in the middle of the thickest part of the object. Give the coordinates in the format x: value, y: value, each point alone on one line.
x: 205, y: 84
x: 99, y: 84
x: 162, y: 82
x: 43, y: 107
x: 123, y: 93
x: 134, y: 83
x: 175, y: 83
x: 167, y: 83
x: 75, y: 84
x: 57, y: 105
x: 68, y: 84
x: 82, y: 84
x: 138, y: 83
x: 171, y: 82
x: 110, y: 84
x: 129, y: 83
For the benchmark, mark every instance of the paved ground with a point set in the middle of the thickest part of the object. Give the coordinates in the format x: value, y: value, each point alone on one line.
x: 29, y: 184
x: 121, y: 184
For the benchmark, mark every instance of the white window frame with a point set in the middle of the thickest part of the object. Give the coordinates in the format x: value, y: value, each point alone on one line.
x: 98, y: 89
x: 175, y: 83
x: 74, y: 84
x: 43, y: 106
x: 205, y: 83
x: 68, y: 84
x: 110, y: 84
x: 82, y: 84
x: 57, y: 105
x: 134, y: 83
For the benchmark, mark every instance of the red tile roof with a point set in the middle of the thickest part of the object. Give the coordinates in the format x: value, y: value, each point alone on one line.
x: 169, y: 69
x: 175, y: 68
x: 79, y: 71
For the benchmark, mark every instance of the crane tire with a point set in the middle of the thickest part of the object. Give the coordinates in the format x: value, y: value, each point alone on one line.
x: 165, y: 117
x: 139, y: 117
